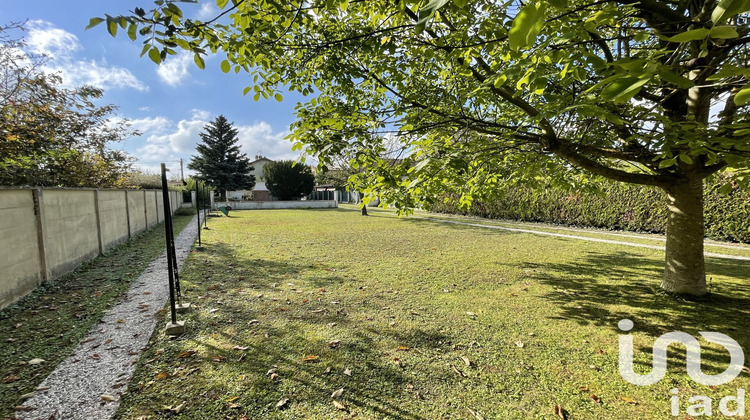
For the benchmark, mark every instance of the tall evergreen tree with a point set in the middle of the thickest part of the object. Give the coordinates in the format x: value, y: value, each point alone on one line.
x: 219, y: 161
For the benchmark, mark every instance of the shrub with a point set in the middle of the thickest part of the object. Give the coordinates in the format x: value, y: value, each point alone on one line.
x: 618, y: 206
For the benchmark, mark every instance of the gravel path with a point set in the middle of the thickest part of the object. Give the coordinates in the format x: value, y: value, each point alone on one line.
x: 88, y: 384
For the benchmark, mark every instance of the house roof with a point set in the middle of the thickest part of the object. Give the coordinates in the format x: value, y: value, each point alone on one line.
x: 261, y: 159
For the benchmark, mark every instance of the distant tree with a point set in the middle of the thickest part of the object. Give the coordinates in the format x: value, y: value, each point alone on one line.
x: 143, y: 180
x: 288, y: 181
x: 53, y: 136
x: 219, y: 161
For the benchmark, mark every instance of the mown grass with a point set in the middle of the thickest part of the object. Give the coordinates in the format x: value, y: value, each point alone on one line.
x: 401, y: 302
x: 48, y: 323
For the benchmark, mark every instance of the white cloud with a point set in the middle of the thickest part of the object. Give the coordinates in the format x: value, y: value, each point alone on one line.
x: 76, y: 73
x: 207, y: 11
x: 45, y: 38
x: 174, y: 70
x: 170, y: 142
x: 152, y: 125
x: 61, y: 47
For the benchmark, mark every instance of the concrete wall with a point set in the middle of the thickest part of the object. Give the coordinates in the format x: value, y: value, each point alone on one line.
x: 49, y: 232
x: 266, y: 205
x: 113, y: 218
x: 19, y: 261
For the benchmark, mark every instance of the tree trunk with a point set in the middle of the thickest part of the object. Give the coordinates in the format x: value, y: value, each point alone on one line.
x: 685, y: 271
x: 364, y: 209
x: 223, y: 195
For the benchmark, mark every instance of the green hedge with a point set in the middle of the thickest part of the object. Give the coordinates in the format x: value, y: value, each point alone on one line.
x: 618, y: 207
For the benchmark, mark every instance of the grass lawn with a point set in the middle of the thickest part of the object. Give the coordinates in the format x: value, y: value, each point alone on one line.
x: 415, y: 319
x: 48, y: 323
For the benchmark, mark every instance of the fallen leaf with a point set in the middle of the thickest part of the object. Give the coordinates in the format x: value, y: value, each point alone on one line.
x: 10, y: 378
x: 466, y: 360
x: 458, y: 372
x: 107, y: 398
x: 120, y: 321
x: 347, y: 372
x: 398, y: 362
x: 162, y: 375
x: 337, y: 393
x: 240, y: 348
x: 274, y: 376
x: 471, y: 314
x: 281, y: 404
x: 561, y: 413
x: 327, y: 371
x: 253, y: 322
x: 186, y: 353
x: 519, y: 344
x: 402, y: 348
x: 310, y: 358
x: 334, y: 344
x: 583, y: 388
x: 629, y: 400
x: 339, y: 405
x: 595, y: 399
x: 23, y: 408
x: 36, y: 361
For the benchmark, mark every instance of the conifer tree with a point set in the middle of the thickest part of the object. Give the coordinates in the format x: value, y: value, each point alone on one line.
x: 219, y: 161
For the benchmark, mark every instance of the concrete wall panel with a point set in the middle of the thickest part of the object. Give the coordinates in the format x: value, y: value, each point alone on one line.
x: 113, y: 218
x: 70, y: 230
x: 136, y: 211
x: 19, y: 262
x: 151, y: 208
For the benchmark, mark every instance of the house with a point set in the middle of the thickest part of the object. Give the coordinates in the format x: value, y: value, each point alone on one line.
x: 259, y: 192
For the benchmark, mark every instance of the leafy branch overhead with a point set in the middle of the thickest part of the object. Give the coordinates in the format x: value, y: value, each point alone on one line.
x: 485, y: 93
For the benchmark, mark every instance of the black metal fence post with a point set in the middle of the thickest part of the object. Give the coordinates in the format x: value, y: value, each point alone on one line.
x: 169, y: 242
x: 198, y: 210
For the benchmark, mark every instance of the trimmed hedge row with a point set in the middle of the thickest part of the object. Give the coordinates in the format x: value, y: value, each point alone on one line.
x: 619, y: 207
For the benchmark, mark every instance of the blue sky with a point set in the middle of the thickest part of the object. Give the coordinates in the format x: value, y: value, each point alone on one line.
x: 170, y: 103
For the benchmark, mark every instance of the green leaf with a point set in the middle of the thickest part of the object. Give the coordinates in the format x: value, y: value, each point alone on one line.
x: 199, y: 61
x: 93, y: 22
x: 225, y: 66
x: 685, y: 158
x: 154, y: 55
x: 111, y: 26
x: 675, y: 79
x: 132, y: 31
x: 221, y: 4
x: 743, y: 96
x: 691, y: 35
x: 278, y: 97
x: 728, y: 8
x: 427, y: 12
x: 500, y: 81
x: 623, y: 89
x: 666, y: 163
x: 560, y: 4
x: 724, y: 32
x: 526, y: 26
x: 725, y: 189
x: 461, y: 3
x: 246, y: 90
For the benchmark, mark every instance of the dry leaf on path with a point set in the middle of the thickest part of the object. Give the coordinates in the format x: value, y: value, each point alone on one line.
x: 107, y: 397
x: 186, y: 353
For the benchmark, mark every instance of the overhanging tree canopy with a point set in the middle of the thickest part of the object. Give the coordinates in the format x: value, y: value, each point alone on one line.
x: 481, y: 92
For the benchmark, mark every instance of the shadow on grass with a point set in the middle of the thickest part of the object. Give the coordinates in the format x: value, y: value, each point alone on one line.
x: 587, y: 291
x: 250, y: 289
